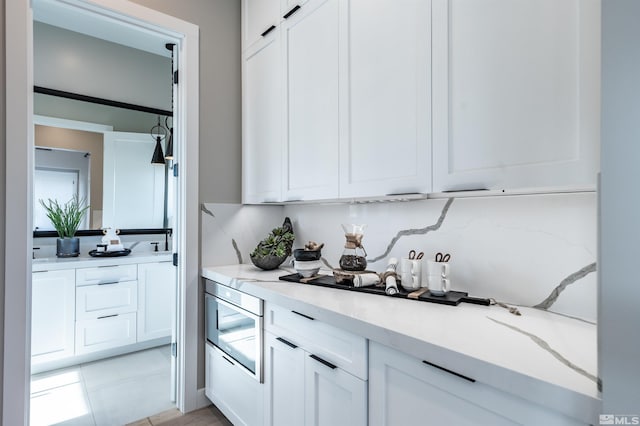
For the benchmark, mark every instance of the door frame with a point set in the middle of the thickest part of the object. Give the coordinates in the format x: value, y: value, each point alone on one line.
x: 19, y: 129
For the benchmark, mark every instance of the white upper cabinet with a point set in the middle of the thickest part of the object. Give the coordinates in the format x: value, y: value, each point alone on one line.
x: 516, y: 93
x: 262, y: 122
x: 387, y: 77
x: 311, y: 63
x: 258, y: 17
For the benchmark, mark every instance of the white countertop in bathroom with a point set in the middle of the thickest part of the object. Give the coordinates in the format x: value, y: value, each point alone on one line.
x: 86, y: 261
x: 540, y: 356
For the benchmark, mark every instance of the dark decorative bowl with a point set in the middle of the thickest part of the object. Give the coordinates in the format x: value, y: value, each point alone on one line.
x: 268, y: 262
x: 302, y: 254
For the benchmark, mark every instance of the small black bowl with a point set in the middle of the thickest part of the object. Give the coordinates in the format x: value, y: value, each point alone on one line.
x: 302, y: 254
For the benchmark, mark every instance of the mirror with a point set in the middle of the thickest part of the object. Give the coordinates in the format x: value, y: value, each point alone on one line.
x: 111, y: 169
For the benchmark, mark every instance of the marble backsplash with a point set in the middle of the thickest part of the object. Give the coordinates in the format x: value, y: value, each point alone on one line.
x: 533, y: 250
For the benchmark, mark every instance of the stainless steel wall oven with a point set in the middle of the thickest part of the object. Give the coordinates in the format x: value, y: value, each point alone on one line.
x: 233, y: 325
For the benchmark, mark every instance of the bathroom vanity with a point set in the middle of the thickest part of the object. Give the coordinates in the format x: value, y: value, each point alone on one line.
x: 84, y: 309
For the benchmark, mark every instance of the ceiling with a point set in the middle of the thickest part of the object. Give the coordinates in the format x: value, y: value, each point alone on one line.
x: 102, y: 26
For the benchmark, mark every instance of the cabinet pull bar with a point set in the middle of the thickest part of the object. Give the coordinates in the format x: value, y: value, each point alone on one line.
x: 39, y: 272
x: 303, y: 315
x: 286, y: 342
x: 292, y: 11
x: 109, y: 282
x: 449, y: 371
x: 322, y: 361
x: 108, y: 316
x: 108, y: 266
x: 268, y: 30
x: 228, y: 360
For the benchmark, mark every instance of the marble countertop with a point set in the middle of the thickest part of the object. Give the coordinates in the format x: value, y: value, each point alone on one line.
x: 86, y: 261
x: 540, y: 356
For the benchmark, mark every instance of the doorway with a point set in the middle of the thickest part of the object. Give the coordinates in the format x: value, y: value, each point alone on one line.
x: 19, y: 29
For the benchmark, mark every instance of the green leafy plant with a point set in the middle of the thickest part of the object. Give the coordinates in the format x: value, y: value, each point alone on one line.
x: 278, y: 243
x: 66, y: 217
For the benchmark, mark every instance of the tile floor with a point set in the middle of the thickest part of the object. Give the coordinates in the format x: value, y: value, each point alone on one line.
x: 109, y: 392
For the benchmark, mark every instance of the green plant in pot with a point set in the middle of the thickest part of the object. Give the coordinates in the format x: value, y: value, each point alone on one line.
x: 66, y: 218
x: 275, y: 248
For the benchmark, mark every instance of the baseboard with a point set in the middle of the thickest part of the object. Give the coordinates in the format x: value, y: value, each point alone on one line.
x: 202, y: 400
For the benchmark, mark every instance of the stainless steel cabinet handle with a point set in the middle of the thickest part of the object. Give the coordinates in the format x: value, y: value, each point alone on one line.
x: 462, y: 376
x: 323, y: 362
x: 286, y: 342
x: 228, y: 360
x: 108, y: 316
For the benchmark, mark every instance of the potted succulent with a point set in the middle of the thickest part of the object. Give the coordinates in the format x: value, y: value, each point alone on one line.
x: 66, y: 218
x: 275, y: 248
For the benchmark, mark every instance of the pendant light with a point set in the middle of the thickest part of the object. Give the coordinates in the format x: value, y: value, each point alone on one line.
x: 158, y: 156
x: 169, y: 151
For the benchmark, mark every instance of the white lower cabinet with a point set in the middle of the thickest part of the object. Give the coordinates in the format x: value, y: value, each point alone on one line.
x: 101, y: 311
x: 238, y: 395
x: 52, y: 315
x: 105, y: 332
x: 332, y: 396
x: 156, y: 299
x: 305, y: 387
x: 284, y: 381
x: 406, y: 391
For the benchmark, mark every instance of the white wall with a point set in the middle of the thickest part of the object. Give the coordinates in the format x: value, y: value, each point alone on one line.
x: 619, y: 313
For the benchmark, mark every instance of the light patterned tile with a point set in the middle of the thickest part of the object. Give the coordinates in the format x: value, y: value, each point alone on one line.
x: 124, y: 367
x: 130, y: 400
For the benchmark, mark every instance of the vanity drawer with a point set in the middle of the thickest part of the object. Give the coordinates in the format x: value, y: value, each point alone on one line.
x: 94, y: 301
x: 105, y: 333
x: 346, y: 350
x: 106, y: 274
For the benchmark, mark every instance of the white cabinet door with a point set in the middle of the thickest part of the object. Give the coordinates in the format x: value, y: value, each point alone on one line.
x: 262, y: 123
x: 106, y: 332
x: 93, y: 301
x: 258, y: 16
x: 283, y: 381
x: 156, y: 299
x: 516, y: 93
x: 238, y: 395
x: 405, y: 391
x: 52, y: 315
x: 133, y: 189
x: 332, y: 396
x: 311, y: 63
x: 388, y: 75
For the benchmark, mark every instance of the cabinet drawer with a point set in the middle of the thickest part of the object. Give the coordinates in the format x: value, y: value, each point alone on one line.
x: 106, y: 274
x: 96, y: 301
x: 105, y: 333
x: 341, y: 348
x: 397, y: 378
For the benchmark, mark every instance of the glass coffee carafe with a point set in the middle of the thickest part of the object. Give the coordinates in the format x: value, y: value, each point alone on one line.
x: 354, y: 256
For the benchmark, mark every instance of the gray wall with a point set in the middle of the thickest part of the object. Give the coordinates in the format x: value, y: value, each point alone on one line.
x: 619, y: 315
x: 2, y: 194
x: 220, y: 92
x: 66, y: 60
